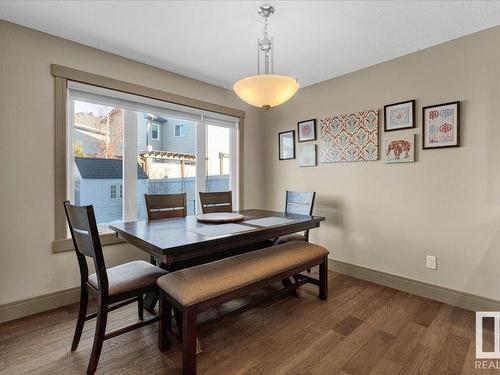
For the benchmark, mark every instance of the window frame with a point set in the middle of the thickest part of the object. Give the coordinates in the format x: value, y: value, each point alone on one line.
x: 112, y: 192
x: 181, y: 127
x: 157, y: 131
x: 63, y: 182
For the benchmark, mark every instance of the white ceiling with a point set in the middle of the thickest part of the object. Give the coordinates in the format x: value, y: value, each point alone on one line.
x: 215, y: 41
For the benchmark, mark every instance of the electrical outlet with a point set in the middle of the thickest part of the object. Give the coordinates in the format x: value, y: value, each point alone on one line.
x: 431, y: 262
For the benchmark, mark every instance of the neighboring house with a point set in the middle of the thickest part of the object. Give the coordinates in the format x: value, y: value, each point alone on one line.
x: 166, y: 149
x: 162, y: 133
x: 99, y: 135
x: 99, y: 182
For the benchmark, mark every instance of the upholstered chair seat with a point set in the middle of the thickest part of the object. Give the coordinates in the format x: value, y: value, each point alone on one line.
x: 290, y: 238
x: 129, y: 276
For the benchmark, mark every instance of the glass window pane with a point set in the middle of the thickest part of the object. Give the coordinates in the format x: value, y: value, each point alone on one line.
x: 97, y: 137
x: 218, y: 158
x: 169, y: 161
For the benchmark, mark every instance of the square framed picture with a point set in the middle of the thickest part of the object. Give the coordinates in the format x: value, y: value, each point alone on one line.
x: 399, y: 116
x: 441, y: 125
x: 307, y: 130
x: 399, y: 149
x: 307, y: 156
x: 286, y: 143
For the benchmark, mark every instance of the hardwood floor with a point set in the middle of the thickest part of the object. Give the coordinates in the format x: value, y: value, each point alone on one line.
x: 363, y: 328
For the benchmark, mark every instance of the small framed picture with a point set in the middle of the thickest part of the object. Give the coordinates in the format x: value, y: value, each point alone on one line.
x: 286, y: 141
x: 399, y: 116
x: 399, y: 149
x: 307, y: 156
x: 307, y: 130
x: 441, y: 125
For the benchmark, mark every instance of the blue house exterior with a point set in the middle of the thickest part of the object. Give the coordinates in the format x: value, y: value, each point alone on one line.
x: 99, y: 181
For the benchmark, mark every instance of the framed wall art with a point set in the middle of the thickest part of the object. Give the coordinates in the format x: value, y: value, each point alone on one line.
x: 399, y: 149
x: 441, y: 125
x: 399, y: 116
x: 306, y: 130
x: 286, y: 143
x: 307, y: 156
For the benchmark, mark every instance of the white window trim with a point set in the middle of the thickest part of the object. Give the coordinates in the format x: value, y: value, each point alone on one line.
x: 94, y: 94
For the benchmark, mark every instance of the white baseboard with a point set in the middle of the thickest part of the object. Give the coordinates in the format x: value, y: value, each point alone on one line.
x: 452, y: 297
x: 39, y: 304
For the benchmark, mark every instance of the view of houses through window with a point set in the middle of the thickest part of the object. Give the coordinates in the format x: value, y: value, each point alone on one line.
x: 166, y: 157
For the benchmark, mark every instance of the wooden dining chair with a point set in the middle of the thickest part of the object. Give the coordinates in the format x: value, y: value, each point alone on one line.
x: 221, y: 201
x: 298, y: 202
x: 163, y: 206
x: 114, y: 287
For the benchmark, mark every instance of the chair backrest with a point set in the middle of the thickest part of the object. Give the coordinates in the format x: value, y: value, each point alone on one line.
x: 221, y: 201
x: 299, y: 202
x: 164, y: 206
x: 83, y: 229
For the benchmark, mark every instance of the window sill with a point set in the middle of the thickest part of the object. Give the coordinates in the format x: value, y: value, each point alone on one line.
x: 59, y: 246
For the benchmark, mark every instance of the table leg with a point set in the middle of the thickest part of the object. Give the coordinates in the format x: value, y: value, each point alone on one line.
x: 286, y: 283
x: 151, y: 299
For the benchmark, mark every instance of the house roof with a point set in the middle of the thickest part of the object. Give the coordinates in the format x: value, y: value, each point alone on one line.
x: 104, y: 169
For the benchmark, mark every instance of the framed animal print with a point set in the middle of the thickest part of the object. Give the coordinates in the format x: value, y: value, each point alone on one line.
x: 441, y: 125
x: 399, y: 149
x: 307, y: 130
x: 399, y: 116
x: 286, y: 145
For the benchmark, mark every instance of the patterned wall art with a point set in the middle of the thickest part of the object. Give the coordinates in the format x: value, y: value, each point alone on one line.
x: 399, y: 116
x: 307, y: 156
x: 349, y: 138
x: 399, y: 149
x: 441, y: 125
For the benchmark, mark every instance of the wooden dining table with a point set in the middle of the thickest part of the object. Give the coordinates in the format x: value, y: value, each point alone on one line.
x: 178, y: 243
x: 177, y: 240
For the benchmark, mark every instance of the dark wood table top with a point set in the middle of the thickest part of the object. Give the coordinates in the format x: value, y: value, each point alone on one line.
x: 176, y: 239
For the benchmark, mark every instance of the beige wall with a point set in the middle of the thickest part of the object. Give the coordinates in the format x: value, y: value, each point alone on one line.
x: 385, y: 217
x: 388, y: 217
x: 28, y: 267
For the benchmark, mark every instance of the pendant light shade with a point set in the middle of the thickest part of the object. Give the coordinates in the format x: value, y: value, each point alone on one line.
x: 266, y: 90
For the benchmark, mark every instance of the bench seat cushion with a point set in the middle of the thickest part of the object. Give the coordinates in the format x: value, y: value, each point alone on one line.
x: 197, y: 284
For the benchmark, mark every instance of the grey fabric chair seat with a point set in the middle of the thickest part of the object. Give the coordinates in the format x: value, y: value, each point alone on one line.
x: 289, y: 238
x: 129, y: 276
x: 197, y: 284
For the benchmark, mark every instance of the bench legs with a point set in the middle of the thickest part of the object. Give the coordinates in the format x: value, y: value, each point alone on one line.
x: 323, y: 279
x: 189, y: 335
x: 188, y: 332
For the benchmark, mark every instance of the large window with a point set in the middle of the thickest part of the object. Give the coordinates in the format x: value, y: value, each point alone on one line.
x: 124, y: 146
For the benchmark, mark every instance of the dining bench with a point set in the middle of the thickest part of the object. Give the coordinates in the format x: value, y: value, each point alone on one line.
x: 193, y: 290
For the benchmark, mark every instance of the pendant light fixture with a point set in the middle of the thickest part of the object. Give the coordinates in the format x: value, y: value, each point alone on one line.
x: 266, y: 90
